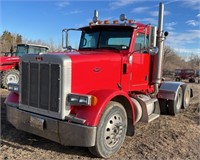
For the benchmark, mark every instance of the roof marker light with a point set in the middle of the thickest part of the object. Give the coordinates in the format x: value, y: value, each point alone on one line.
x: 106, y: 22
x: 115, y: 22
x: 131, y: 21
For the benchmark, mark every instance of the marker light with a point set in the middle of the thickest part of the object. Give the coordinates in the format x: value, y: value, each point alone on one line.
x: 99, y: 22
x: 106, y: 22
x: 91, y: 23
x: 131, y: 21
x: 115, y: 22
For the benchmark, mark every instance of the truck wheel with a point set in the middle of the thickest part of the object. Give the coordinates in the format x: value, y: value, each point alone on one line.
x: 10, y: 76
x: 111, y: 131
x: 178, y: 79
x: 163, y: 106
x: 174, y: 106
x: 186, y: 96
x: 191, y: 80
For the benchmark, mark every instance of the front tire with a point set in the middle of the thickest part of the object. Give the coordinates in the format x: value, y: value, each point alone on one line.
x: 10, y: 76
x: 111, y: 131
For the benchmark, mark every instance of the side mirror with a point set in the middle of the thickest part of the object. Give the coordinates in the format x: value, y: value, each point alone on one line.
x: 64, y: 38
x: 153, y: 50
x: 71, y: 38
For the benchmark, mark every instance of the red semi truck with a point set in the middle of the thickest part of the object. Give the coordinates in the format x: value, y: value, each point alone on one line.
x: 94, y: 96
x: 9, y: 65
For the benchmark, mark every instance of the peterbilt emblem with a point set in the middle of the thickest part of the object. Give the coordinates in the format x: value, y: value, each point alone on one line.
x: 39, y: 58
x: 96, y: 69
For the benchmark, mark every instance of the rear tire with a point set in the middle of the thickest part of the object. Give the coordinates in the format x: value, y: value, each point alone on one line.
x: 186, y: 96
x: 163, y: 106
x: 10, y: 76
x: 174, y: 106
x: 191, y: 80
x: 111, y: 131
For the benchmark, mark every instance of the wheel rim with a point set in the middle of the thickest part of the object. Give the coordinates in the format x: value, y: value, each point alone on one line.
x: 12, y: 78
x: 113, y: 130
x: 187, y: 97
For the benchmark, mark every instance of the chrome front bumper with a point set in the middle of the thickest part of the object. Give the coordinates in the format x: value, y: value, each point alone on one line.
x: 65, y: 133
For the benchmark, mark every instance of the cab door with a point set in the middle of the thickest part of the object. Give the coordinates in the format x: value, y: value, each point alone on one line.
x: 140, y: 63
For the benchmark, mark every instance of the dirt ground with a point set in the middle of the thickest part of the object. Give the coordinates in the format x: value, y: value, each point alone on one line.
x: 166, y: 138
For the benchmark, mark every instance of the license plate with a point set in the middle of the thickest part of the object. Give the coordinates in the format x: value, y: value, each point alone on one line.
x: 36, y: 122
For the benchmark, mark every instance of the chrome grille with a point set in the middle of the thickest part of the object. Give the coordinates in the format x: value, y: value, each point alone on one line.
x: 40, y: 85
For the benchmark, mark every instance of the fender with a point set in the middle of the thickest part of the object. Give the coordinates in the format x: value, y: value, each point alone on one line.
x: 168, y: 90
x: 12, y: 99
x: 92, y: 114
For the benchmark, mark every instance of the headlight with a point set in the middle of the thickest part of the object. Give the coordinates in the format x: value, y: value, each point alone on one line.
x: 13, y: 87
x: 81, y: 100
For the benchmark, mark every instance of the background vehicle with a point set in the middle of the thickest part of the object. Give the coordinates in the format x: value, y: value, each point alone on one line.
x: 198, y: 75
x: 182, y: 74
x: 9, y: 66
x: 94, y: 96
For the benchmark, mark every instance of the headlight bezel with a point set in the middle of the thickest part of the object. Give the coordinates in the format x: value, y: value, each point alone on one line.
x: 13, y: 87
x: 81, y: 100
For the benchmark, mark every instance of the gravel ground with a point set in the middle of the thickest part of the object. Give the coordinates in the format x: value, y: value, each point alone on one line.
x: 168, y: 137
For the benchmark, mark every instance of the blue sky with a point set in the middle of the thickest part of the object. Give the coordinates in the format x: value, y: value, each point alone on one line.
x: 45, y: 19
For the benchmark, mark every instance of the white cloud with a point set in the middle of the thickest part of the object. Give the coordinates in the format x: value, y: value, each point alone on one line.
x: 152, y: 21
x: 73, y: 12
x: 194, y: 4
x: 140, y: 9
x: 186, y: 37
x: 186, y: 52
x: 186, y: 41
x: 192, y: 23
x: 170, y: 26
x: 62, y: 4
x: 120, y: 3
x: 198, y: 15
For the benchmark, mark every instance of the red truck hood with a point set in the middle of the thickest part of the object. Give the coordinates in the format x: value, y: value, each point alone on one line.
x: 7, y: 63
x: 8, y: 60
x: 95, y: 71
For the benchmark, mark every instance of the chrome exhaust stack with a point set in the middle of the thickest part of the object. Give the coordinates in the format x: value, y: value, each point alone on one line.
x: 158, y: 58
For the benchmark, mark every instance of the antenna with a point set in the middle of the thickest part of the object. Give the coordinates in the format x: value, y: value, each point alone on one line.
x: 95, y: 18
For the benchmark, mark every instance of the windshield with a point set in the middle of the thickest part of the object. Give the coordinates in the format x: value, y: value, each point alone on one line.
x: 106, y: 39
x: 21, y: 50
x: 36, y: 50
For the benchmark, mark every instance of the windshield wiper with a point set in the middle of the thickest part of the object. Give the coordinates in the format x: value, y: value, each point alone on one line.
x: 111, y: 48
x: 87, y: 48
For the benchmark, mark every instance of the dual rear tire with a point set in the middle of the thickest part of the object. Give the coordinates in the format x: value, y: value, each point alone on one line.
x: 182, y: 100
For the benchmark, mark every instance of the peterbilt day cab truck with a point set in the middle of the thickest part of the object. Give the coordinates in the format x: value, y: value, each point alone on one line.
x: 94, y: 96
x: 9, y: 64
